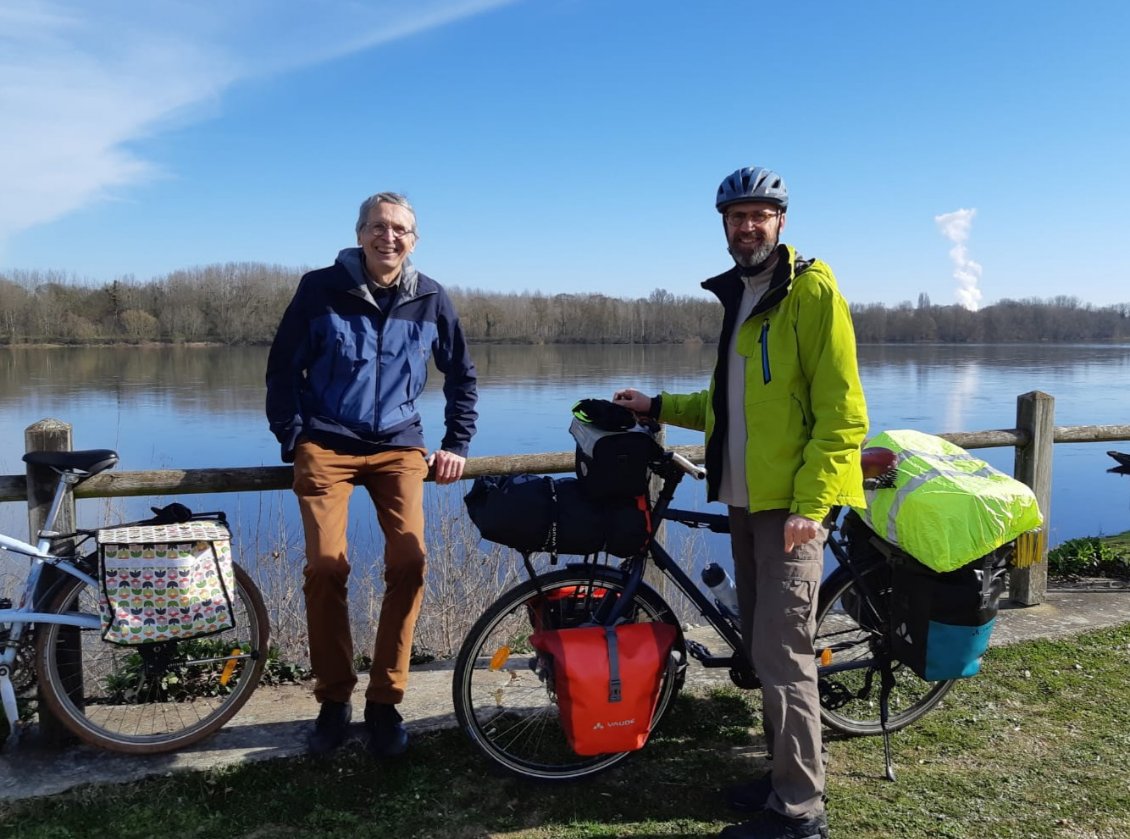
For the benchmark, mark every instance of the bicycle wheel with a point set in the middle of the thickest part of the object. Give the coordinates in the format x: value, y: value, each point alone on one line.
x: 152, y: 698
x: 500, y: 689
x: 851, y: 649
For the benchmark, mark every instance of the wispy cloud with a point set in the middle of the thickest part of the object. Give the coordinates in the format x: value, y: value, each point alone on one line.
x: 81, y: 81
x: 955, y: 226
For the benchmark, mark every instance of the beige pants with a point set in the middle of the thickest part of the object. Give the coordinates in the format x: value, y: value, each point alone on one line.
x: 323, y: 481
x: 777, y: 601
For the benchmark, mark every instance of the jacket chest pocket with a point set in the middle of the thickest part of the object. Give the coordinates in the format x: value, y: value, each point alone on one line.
x: 760, y: 345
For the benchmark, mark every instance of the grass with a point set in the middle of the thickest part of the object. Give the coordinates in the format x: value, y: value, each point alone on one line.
x: 1037, y: 746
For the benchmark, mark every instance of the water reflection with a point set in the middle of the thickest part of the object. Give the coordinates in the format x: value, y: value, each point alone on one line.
x: 185, y: 407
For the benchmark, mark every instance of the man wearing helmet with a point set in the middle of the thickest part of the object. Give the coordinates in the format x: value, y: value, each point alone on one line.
x: 784, y: 417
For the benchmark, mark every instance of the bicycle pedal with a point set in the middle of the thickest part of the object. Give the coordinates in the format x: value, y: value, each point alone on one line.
x: 697, y: 650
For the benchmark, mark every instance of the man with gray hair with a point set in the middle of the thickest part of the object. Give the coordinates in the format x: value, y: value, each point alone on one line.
x: 348, y: 362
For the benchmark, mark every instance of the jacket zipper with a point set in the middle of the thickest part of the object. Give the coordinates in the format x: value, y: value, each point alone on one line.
x: 766, y: 374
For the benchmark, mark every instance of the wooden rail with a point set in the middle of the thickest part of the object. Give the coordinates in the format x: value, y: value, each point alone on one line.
x: 1032, y: 438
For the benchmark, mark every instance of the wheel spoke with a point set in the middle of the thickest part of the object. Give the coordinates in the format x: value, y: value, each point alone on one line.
x: 143, y: 700
x: 510, y: 713
x: 849, y: 683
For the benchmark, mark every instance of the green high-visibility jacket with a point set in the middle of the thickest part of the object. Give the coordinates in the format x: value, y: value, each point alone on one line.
x: 805, y: 412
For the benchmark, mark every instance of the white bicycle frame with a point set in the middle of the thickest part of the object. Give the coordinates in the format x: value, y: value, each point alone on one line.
x: 16, y: 620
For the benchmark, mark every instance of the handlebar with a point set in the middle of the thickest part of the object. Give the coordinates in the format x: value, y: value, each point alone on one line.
x: 696, y: 472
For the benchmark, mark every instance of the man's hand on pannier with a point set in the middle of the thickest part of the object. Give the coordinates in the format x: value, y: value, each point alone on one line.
x: 448, y: 466
x: 799, y: 531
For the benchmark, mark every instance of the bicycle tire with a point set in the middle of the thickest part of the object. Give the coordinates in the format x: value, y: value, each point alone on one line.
x: 849, y: 638
x: 108, y: 701
x: 499, y: 689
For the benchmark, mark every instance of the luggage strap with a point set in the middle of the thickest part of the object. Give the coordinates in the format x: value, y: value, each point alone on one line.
x: 613, y: 664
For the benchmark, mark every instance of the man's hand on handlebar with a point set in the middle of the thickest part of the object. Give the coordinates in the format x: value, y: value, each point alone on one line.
x: 633, y: 400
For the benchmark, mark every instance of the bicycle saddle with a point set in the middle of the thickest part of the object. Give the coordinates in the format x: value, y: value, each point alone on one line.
x: 877, y: 460
x: 86, y: 463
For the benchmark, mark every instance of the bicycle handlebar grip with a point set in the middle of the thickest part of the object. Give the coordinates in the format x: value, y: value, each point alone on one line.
x: 696, y: 472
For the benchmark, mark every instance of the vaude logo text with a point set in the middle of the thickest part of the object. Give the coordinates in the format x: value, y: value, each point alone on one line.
x: 614, y: 724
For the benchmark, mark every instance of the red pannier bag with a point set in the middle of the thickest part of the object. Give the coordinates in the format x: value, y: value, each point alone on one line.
x: 565, y: 607
x: 607, y: 682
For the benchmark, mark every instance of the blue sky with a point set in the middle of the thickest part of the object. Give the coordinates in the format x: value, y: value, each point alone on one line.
x: 973, y: 151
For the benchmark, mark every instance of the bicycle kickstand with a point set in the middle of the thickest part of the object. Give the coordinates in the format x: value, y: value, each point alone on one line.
x: 887, y: 683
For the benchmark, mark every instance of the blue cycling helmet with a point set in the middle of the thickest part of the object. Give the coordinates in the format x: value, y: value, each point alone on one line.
x: 752, y: 184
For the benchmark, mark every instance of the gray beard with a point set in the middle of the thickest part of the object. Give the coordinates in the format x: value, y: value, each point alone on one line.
x: 752, y: 260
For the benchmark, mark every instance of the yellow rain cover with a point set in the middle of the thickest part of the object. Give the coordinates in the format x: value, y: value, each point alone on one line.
x: 947, y: 507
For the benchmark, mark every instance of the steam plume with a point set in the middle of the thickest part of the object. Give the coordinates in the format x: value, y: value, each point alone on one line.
x: 955, y: 227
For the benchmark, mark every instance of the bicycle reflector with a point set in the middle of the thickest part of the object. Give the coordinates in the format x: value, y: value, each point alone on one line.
x: 1030, y: 548
x: 499, y: 658
x: 229, y: 667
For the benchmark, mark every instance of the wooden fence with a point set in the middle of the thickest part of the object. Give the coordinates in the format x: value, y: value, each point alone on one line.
x: 1033, y: 439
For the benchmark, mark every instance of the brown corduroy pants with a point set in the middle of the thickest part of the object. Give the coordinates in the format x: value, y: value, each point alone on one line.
x: 323, y: 481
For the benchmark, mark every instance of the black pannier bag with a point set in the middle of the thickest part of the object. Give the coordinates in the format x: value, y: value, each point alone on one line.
x: 941, y: 622
x: 533, y: 513
x: 613, y: 450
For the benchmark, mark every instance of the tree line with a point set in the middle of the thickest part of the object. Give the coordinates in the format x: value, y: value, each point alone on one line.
x: 241, y: 303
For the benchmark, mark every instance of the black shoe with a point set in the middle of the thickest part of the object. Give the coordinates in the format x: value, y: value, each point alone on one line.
x: 331, y: 728
x: 750, y: 797
x: 769, y: 824
x: 387, y: 735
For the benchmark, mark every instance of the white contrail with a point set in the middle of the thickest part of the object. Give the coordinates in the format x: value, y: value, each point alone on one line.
x: 955, y: 227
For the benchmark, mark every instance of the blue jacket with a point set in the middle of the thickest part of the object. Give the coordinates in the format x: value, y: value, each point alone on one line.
x: 340, y: 373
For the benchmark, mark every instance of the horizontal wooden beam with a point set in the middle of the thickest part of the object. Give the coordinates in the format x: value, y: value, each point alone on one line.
x: 268, y: 478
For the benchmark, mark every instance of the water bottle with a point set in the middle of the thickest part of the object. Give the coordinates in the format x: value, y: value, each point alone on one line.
x: 722, y: 587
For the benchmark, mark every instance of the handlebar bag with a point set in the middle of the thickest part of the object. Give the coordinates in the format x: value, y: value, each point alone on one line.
x: 941, y: 623
x: 607, y: 682
x: 613, y: 464
x: 166, y: 582
x: 537, y: 513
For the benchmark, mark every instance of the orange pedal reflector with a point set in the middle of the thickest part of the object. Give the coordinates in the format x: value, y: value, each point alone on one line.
x: 825, y: 657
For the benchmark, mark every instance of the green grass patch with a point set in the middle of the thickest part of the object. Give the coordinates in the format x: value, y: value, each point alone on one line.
x: 1038, y: 745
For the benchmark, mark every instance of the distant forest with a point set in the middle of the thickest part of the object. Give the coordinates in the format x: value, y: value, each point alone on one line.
x: 241, y: 303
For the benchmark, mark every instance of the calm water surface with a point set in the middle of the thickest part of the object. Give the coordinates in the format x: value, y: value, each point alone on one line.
x: 191, y: 407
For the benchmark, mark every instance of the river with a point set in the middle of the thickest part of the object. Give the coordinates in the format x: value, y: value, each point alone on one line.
x: 186, y: 407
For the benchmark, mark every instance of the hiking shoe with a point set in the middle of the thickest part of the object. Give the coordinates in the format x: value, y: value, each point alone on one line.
x: 750, y: 797
x: 769, y: 824
x: 387, y: 735
x: 330, y: 728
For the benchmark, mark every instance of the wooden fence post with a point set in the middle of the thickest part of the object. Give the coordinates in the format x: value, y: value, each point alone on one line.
x: 54, y: 436
x: 1035, y: 416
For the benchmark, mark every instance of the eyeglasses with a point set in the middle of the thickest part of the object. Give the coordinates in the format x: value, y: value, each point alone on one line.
x: 758, y: 217
x: 379, y: 230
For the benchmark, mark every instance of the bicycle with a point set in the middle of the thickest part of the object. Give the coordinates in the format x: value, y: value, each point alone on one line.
x: 502, y: 690
x: 143, y: 699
